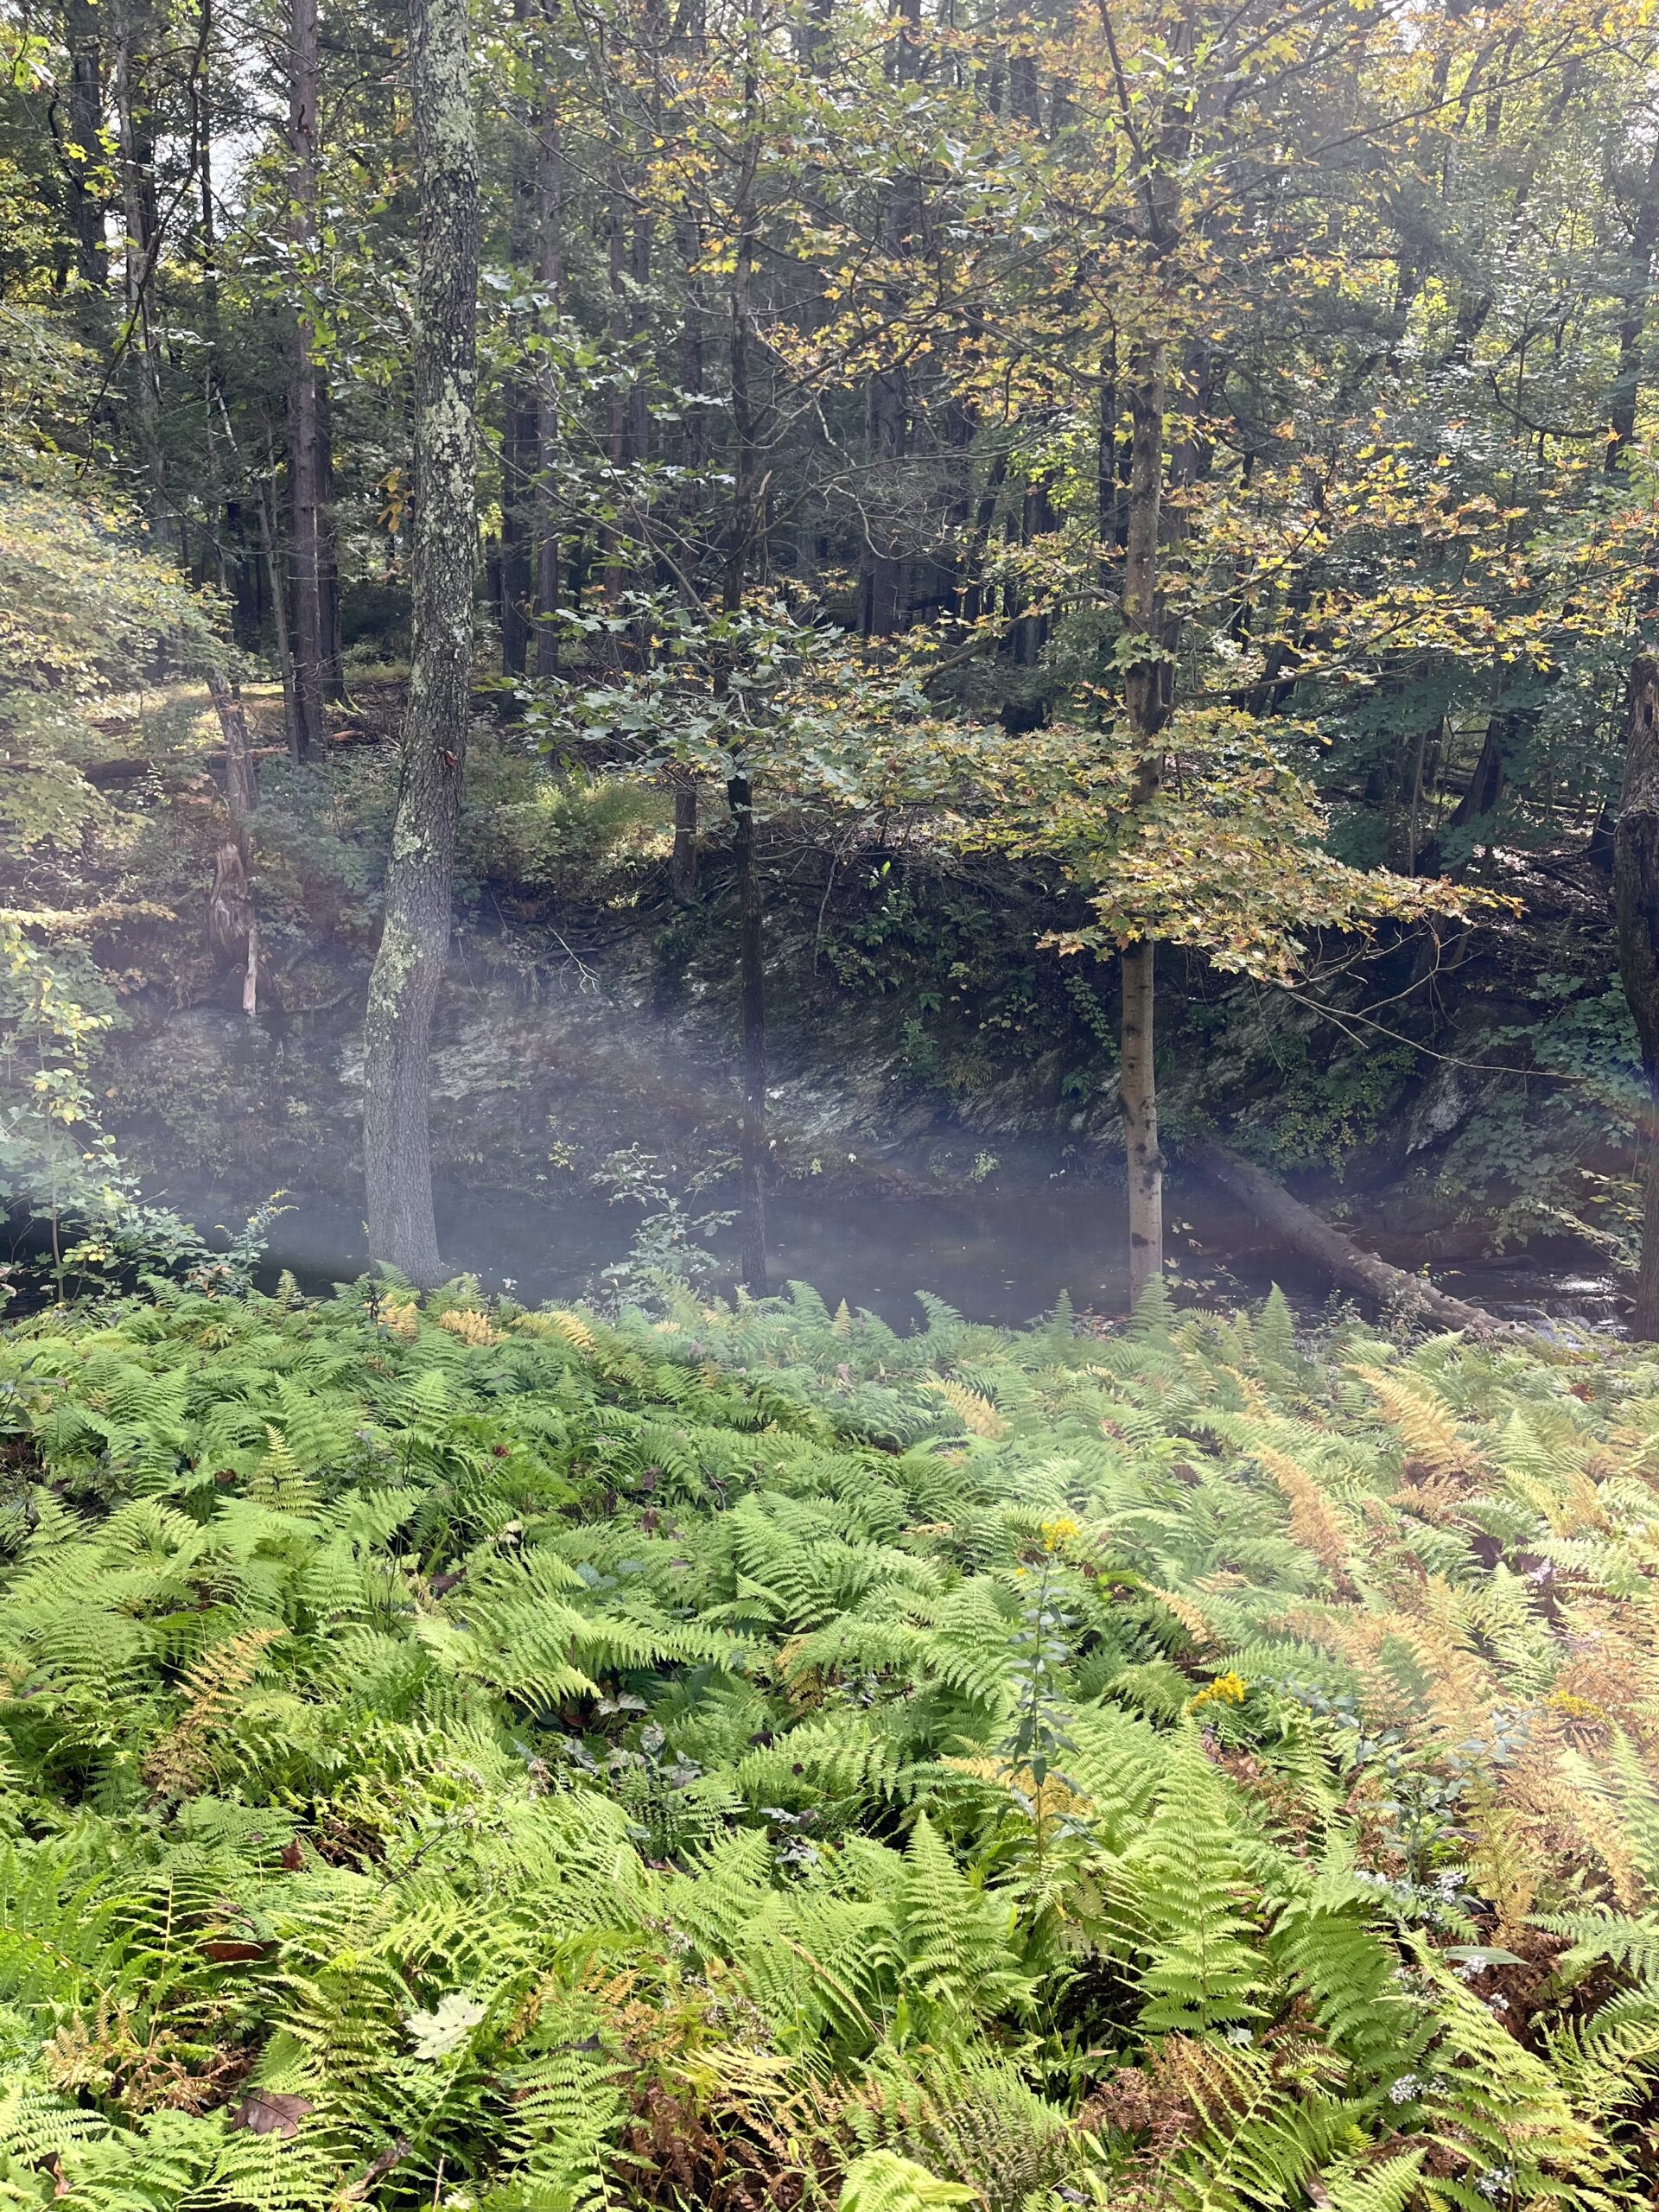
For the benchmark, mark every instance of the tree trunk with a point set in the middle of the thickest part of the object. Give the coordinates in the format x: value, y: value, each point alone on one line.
x: 267, y: 499
x: 84, y: 158
x: 1320, y: 1240
x: 1506, y: 733
x: 414, y: 938
x: 136, y: 137
x: 550, y: 275
x: 1146, y: 696
x: 1138, y: 1089
x: 241, y: 791
x: 519, y: 410
x: 1632, y: 323
x: 752, y: 991
x: 682, y: 861
x: 518, y: 565
x: 1635, y: 902
x: 306, y: 485
x: 746, y: 531
x: 234, y: 918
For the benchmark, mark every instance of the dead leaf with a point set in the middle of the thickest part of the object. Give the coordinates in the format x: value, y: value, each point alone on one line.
x: 272, y: 2112
x: 382, y: 2165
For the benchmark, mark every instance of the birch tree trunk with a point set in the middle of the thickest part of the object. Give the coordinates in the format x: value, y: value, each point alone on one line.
x: 1636, y: 901
x: 415, y: 938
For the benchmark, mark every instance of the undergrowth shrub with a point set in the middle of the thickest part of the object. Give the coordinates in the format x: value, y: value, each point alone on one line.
x: 468, y: 1757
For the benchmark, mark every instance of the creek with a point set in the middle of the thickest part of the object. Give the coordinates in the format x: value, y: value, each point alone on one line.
x: 1001, y: 1250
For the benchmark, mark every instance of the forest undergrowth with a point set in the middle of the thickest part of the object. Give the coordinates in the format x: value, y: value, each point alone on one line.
x: 462, y: 1756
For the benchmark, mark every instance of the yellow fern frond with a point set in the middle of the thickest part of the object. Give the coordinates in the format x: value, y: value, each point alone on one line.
x: 470, y: 1325
x: 1191, y: 1614
x: 214, y: 1684
x: 976, y: 1413
x: 1426, y: 1425
x: 402, y: 1317
x: 1313, y: 1520
x: 555, y: 1321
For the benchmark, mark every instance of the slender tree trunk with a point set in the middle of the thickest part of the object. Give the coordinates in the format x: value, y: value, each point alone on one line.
x: 752, y: 990
x: 241, y: 786
x: 1148, y: 692
x: 1635, y: 902
x: 694, y: 456
x: 1506, y: 733
x: 1138, y: 1088
x: 745, y: 528
x: 135, y: 139
x: 414, y: 938
x: 682, y: 861
x: 306, y: 485
x: 83, y: 159
x: 334, y: 663
x: 1632, y: 324
x: 519, y: 407
x: 278, y: 596
x: 549, y: 276
x: 235, y: 915
x: 888, y: 402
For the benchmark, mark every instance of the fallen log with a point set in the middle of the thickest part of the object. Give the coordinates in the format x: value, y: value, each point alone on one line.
x: 1330, y: 1248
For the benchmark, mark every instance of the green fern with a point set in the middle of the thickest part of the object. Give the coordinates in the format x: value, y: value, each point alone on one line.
x: 640, y: 1705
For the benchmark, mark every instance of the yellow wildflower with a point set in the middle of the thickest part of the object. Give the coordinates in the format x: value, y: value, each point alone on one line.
x: 1227, y: 1689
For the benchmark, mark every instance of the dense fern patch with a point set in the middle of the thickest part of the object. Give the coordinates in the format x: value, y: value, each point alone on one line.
x: 475, y: 1759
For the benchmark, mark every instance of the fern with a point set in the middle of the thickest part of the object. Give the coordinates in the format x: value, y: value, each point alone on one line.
x: 639, y: 1707
x: 883, y: 2181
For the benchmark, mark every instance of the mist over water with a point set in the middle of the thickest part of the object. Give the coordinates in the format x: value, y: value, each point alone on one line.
x: 1001, y: 1252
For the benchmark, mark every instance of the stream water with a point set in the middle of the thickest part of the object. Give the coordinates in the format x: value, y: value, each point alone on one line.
x: 1001, y: 1251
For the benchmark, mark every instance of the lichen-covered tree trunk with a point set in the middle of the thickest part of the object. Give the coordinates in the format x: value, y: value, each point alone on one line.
x: 1636, y: 899
x: 414, y: 938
